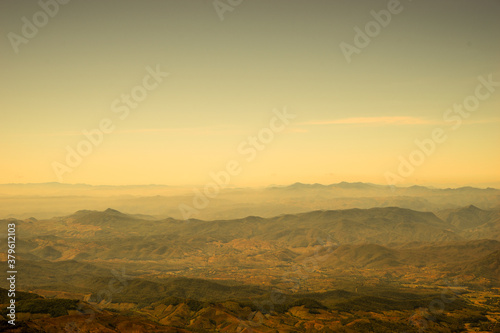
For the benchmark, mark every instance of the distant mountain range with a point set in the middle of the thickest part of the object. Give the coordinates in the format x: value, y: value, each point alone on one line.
x: 56, y: 199
x: 143, y: 237
x: 297, y: 185
x: 369, y: 186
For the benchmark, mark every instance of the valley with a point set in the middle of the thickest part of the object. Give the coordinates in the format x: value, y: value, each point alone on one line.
x: 382, y: 269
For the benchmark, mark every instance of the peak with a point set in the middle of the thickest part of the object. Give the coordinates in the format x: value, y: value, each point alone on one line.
x: 112, y: 211
x: 355, y: 185
x: 472, y: 207
x: 418, y: 187
x: 108, y: 211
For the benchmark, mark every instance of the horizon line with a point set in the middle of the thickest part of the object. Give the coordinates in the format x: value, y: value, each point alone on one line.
x: 429, y: 186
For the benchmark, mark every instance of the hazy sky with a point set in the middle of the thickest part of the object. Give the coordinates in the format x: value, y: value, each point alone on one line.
x: 353, y: 119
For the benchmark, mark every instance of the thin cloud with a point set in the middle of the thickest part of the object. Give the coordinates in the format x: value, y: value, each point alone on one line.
x: 373, y: 121
x: 482, y: 121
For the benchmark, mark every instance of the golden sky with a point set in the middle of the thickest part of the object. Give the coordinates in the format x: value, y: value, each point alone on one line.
x: 356, y: 116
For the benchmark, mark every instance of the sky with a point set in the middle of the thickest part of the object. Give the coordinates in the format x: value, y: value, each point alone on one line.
x: 291, y: 91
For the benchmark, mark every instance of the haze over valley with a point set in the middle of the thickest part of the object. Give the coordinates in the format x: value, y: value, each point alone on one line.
x: 340, y: 269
